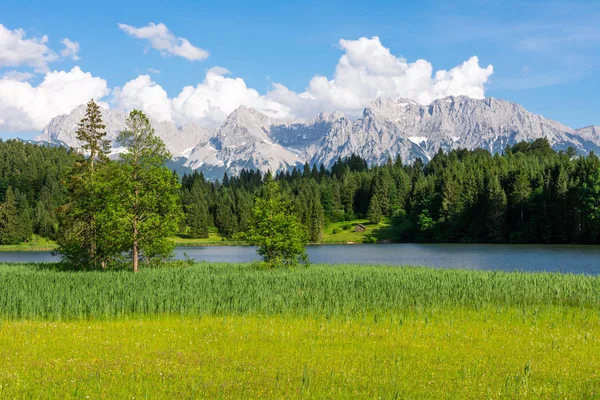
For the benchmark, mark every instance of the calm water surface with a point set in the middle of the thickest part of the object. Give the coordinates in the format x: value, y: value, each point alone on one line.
x: 567, y: 259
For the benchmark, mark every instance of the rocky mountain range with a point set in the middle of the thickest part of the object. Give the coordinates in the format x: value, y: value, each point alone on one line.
x: 387, y: 129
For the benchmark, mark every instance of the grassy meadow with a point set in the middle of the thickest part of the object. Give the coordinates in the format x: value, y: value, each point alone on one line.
x: 232, y: 331
x: 37, y: 243
x: 343, y: 232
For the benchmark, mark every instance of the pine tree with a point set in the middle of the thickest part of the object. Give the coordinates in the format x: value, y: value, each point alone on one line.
x: 225, y: 217
x: 11, y: 223
x: 496, y: 208
x: 521, y: 191
x: 91, y: 131
x: 316, y: 221
x: 80, y: 238
x: 374, y: 214
x: 198, y: 218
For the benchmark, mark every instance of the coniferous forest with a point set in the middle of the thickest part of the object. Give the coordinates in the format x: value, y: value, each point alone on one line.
x: 528, y: 194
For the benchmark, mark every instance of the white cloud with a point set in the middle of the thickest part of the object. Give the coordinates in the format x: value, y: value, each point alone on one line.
x: 168, y: 44
x: 367, y: 70
x: 143, y: 94
x: 154, y: 71
x: 16, y: 50
x: 18, y: 76
x: 208, y: 103
x: 217, y: 96
x: 71, y: 49
x: 24, y: 107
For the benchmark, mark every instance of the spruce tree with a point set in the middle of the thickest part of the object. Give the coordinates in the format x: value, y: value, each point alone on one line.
x: 316, y: 221
x: 11, y: 224
x: 495, y: 209
x: 81, y: 242
x: 197, y: 213
x: 374, y: 214
x: 91, y: 131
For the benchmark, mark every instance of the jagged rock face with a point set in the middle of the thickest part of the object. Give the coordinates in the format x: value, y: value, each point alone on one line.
x: 387, y: 129
x: 244, y: 141
x: 179, y: 141
x: 590, y: 133
x: 63, y: 128
x: 391, y: 128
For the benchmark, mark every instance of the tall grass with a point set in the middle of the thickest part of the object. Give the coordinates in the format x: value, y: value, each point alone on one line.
x: 37, y: 292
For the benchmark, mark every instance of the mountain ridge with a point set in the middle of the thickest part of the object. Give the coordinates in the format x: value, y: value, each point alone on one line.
x: 388, y: 128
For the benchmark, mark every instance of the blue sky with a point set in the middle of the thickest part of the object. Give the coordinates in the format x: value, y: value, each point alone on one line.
x: 545, y: 55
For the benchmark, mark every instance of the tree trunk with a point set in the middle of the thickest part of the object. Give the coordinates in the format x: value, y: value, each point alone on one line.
x: 135, y: 246
x: 135, y: 256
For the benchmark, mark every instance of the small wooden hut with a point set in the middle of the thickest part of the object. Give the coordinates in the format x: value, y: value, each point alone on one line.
x: 360, y: 228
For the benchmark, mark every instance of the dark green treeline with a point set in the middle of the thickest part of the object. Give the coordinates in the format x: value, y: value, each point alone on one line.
x: 528, y: 194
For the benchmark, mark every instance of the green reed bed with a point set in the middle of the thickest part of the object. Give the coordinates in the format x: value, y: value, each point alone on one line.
x: 38, y: 292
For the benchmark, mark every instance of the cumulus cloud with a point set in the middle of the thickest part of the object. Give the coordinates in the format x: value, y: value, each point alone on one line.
x: 367, y: 70
x: 164, y: 41
x: 144, y: 94
x: 24, y: 107
x: 71, y: 49
x: 208, y: 103
x: 217, y: 96
x: 16, y: 50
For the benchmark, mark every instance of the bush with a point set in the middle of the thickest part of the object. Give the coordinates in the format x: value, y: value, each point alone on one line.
x: 276, y: 230
x: 369, y: 238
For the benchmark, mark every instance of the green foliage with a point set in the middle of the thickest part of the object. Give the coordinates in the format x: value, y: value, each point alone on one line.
x: 91, y: 132
x: 88, y: 236
x: 146, y: 193
x: 14, y: 222
x: 34, y: 173
x: 375, y: 214
x: 369, y: 238
x: 116, y: 207
x: 496, y: 207
x: 459, y: 196
x: 275, y: 229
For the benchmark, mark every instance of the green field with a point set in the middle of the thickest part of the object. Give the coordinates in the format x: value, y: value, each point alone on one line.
x: 231, y: 331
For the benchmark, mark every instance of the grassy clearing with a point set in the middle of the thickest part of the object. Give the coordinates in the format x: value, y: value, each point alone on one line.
x: 343, y: 232
x: 37, y: 243
x: 451, y: 353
